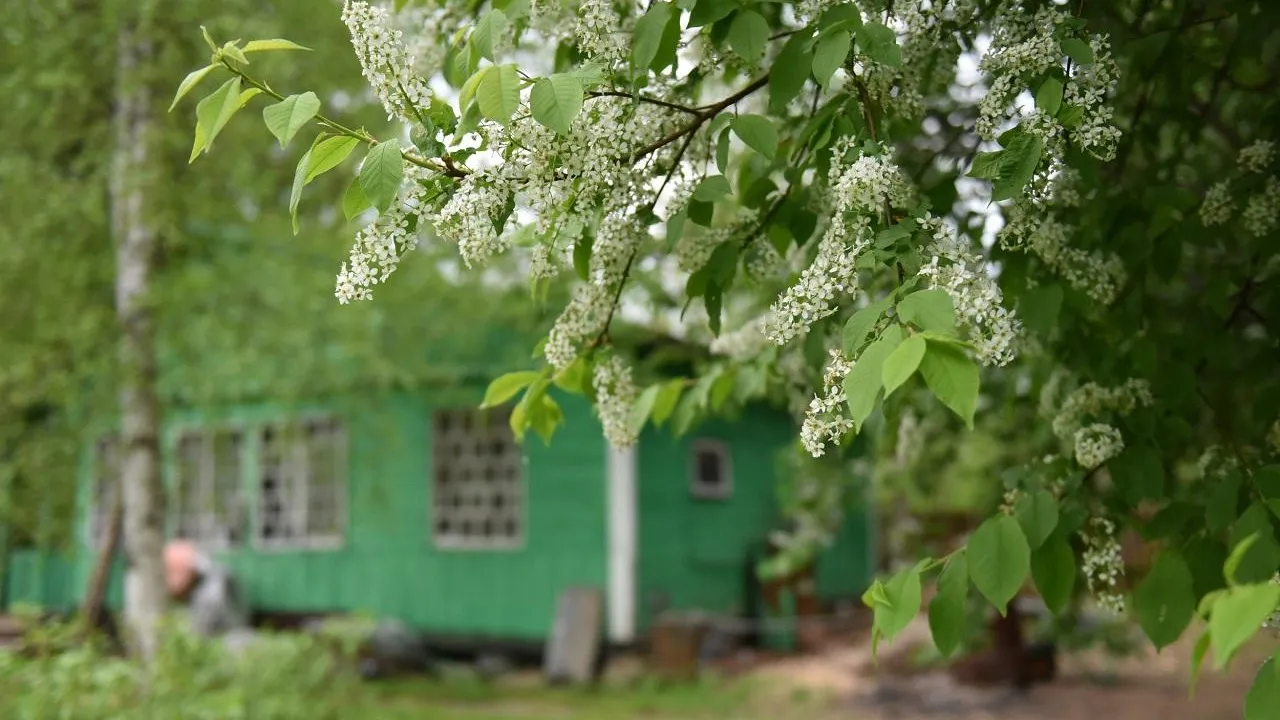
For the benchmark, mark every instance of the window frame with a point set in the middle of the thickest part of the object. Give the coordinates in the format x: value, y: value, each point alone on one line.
x: 455, y: 542
x: 701, y: 490
x: 306, y: 542
x: 207, y: 431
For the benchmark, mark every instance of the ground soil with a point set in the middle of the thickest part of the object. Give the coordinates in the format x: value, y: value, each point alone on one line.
x: 1089, y: 686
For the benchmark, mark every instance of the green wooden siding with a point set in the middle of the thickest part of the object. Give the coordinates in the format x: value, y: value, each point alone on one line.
x: 388, y: 564
x: 694, y: 552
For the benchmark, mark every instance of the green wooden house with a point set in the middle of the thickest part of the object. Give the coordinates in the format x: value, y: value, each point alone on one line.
x: 404, y: 500
x: 423, y: 508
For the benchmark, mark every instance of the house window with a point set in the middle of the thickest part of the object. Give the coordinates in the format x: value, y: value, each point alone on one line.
x: 302, y: 484
x: 477, y: 484
x: 208, y: 496
x: 105, y: 483
x: 711, y: 471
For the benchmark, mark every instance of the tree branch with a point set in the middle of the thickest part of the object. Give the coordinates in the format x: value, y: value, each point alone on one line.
x: 644, y: 99
x: 704, y: 114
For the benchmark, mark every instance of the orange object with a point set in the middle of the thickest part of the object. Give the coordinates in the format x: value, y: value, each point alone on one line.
x: 180, y: 560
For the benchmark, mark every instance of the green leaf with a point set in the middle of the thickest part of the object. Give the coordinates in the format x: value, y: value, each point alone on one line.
x: 789, y: 72
x: 722, y: 151
x: 354, y: 201
x: 469, y: 88
x: 285, y: 118
x: 1039, y: 308
x: 1071, y: 116
x: 1053, y: 568
x: 1258, y: 562
x: 1238, y: 616
x: 1263, y: 699
x: 1267, y: 480
x: 880, y: 44
x: 707, y: 12
x: 947, y: 609
x: 748, y: 34
x: 328, y: 155
x: 861, y: 323
x: 701, y: 212
x: 556, y: 101
x: 712, y: 188
x: 505, y: 387
x: 1138, y: 473
x: 582, y: 256
x: 862, y: 384
x: 213, y: 113
x: 953, y: 378
x: 647, y: 38
x: 1223, y: 504
x: 666, y: 402
x: 986, y: 165
x: 1049, y: 96
x: 642, y: 409
x: 902, y: 363
x: 489, y: 28
x: 1018, y: 163
x: 758, y: 132
x: 1037, y: 514
x: 1197, y: 660
x: 272, y: 45
x: 999, y: 560
x: 300, y: 181
x: 929, y: 310
x: 903, y: 593
x: 1078, y: 50
x: 381, y: 173
x: 1165, y: 601
x: 498, y: 93
x: 188, y: 83
x: 830, y: 54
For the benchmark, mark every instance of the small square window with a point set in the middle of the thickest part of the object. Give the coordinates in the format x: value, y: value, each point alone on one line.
x: 476, y: 481
x: 710, y: 471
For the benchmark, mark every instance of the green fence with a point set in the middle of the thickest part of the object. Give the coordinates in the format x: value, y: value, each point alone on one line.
x: 39, y: 577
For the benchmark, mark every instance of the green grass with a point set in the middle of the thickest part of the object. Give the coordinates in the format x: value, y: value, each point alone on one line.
x: 467, y: 698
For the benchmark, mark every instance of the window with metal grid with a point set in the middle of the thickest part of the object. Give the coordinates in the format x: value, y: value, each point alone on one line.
x: 302, y: 484
x: 477, y: 480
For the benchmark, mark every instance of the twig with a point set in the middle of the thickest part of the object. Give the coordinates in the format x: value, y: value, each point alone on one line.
x: 704, y: 114
x: 643, y: 99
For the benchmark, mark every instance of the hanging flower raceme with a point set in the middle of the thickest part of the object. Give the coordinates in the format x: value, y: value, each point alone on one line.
x: 615, y: 394
x: 379, y: 245
x: 1103, y: 563
x: 385, y: 62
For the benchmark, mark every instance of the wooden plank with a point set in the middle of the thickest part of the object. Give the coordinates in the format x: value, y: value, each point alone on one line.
x: 575, y: 644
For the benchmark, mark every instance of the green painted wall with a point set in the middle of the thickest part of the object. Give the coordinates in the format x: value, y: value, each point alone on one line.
x: 694, y: 553
x: 388, y: 564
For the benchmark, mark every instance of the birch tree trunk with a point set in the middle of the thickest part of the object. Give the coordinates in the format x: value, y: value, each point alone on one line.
x: 143, y: 495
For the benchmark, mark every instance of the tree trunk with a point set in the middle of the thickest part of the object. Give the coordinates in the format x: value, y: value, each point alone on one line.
x: 142, y: 493
x: 94, y: 605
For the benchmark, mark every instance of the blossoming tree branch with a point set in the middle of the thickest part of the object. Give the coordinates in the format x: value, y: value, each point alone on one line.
x: 863, y: 207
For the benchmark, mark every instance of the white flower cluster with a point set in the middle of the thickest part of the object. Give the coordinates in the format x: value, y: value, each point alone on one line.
x: 1097, y: 443
x: 379, y: 245
x: 1091, y: 400
x: 1025, y: 45
x: 826, y: 422
x: 587, y: 314
x: 992, y: 327
x: 856, y: 189
x: 468, y: 218
x: 615, y: 394
x: 1097, y: 274
x: 1257, y: 157
x: 1263, y: 210
x: 385, y: 62
x: 743, y: 343
x: 428, y: 31
x: 1215, y: 463
x: 1219, y: 206
x: 1009, y: 504
x: 1103, y: 563
x: 929, y: 55
x: 600, y: 31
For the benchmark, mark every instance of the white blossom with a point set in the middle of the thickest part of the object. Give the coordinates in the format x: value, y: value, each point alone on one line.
x: 1257, y: 157
x: 386, y: 64
x: 379, y: 245
x: 1218, y: 205
x: 992, y: 328
x: 615, y: 394
x: 1263, y: 210
x: 1093, y: 400
x: 826, y: 421
x: 1097, y: 443
x: 1103, y: 563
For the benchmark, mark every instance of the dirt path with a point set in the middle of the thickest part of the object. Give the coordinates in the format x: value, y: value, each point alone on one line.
x: 1150, y: 686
